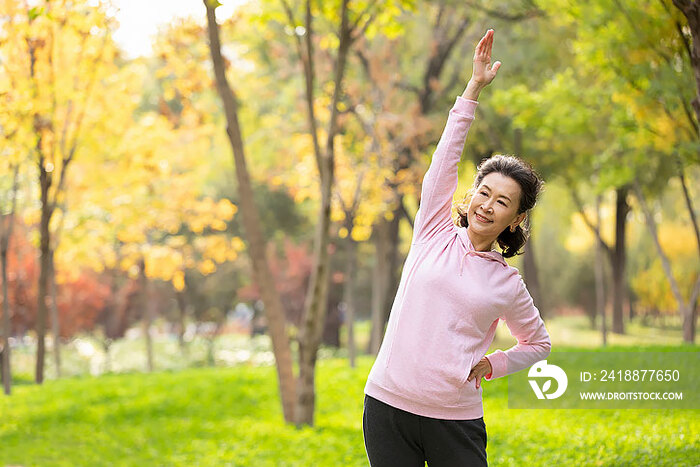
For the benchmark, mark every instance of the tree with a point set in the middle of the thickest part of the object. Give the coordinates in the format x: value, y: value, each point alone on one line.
x: 6, y: 224
x: 251, y: 221
x: 75, y: 38
x: 651, y: 125
x: 117, y: 315
x: 691, y: 10
x: 653, y: 84
x: 687, y: 309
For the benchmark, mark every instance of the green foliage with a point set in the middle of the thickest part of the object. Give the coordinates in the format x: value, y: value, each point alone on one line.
x: 613, y: 97
x: 232, y: 416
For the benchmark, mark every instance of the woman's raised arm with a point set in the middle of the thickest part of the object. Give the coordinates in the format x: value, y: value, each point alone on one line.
x: 440, y: 181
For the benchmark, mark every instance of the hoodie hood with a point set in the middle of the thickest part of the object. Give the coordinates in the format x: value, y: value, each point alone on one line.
x: 492, y: 255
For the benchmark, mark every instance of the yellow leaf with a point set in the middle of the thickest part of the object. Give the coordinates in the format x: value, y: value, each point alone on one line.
x: 179, y: 281
x: 361, y: 233
x: 206, y: 267
x: 237, y: 244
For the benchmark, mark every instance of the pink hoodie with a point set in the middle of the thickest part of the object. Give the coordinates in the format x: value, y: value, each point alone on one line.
x: 448, y: 304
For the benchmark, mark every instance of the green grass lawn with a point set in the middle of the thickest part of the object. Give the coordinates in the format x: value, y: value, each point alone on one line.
x: 84, y: 355
x: 232, y: 416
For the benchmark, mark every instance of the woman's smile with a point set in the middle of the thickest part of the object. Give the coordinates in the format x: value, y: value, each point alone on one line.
x: 481, y: 218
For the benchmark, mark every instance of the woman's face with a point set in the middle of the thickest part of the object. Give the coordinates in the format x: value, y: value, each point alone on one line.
x: 494, y: 206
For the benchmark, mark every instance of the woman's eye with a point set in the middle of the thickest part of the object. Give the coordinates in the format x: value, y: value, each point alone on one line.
x: 483, y: 193
x: 502, y: 203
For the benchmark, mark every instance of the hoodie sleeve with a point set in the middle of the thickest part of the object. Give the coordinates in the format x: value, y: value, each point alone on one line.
x: 525, y: 324
x: 440, y: 181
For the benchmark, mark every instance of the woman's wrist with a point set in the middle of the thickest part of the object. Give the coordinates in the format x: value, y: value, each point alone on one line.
x: 488, y: 375
x: 473, y: 90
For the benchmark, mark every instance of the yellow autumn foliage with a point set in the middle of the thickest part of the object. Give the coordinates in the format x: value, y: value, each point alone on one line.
x: 676, y: 240
x: 581, y: 239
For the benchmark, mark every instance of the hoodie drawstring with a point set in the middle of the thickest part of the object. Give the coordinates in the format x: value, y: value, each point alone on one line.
x: 461, y: 261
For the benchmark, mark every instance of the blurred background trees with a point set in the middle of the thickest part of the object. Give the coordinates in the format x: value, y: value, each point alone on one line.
x: 120, y: 201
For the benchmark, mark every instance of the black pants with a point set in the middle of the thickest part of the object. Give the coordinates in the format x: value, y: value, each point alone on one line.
x: 396, y: 438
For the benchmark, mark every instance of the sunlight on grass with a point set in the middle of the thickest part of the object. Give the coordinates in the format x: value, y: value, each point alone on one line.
x: 231, y: 414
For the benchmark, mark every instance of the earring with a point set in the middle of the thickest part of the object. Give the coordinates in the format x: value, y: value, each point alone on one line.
x: 512, y: 228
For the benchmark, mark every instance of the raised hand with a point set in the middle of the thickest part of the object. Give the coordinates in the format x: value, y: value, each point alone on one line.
x: 482, y: 72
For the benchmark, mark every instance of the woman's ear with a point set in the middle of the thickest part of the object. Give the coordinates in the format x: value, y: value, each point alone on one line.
x: 519, y: 218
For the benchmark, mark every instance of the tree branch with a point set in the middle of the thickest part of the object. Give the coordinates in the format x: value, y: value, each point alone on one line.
x: 404, y: 211
x: 588, y: 222
x: 527, y: 14
x: 437, y: 61
x: 651, y: 225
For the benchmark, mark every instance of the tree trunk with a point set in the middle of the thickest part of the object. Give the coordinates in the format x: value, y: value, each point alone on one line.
x: 630, y: 304
x: 251, y: 223
x: 211, y: 361
x: 690, y: 327
x: 314, y: 309
x: 45, y: 181
x: 379, y: 284
x: 689, y: 318
x: 6, y: 226
x: 44, y: 265
x: 619, y: 259
x: 531, y: 276
x: 687, y: 310
x: 532, y: 279
x: 313, y: 320
x: 181, y: 323
x: 107, y: 346
x: 600, y: 276
x: 6, y: 373
x: 2, y: 367
x: 147, y: 317
x: 349, y: 293
x: 616, y: 256
x: 55, y: 325
x: 391, y: 283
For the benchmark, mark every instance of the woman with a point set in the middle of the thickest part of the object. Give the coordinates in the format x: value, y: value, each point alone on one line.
x: 423, y: 395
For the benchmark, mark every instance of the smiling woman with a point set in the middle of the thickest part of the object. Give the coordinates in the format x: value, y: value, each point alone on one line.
x: 423, y: 397
x: 505, y: 189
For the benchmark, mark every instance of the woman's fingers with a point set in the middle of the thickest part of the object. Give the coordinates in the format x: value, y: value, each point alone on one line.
x: 478, y: 372
x: 480, y: 46
x: 477, y: 375
x: 489, y: 42
x: 484, y: 47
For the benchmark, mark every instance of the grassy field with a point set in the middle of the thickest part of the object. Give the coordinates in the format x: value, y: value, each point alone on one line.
x: 85, y: 356
x: 231, y: 415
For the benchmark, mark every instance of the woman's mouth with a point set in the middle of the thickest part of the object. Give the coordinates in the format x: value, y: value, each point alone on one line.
x: 481, y: 218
